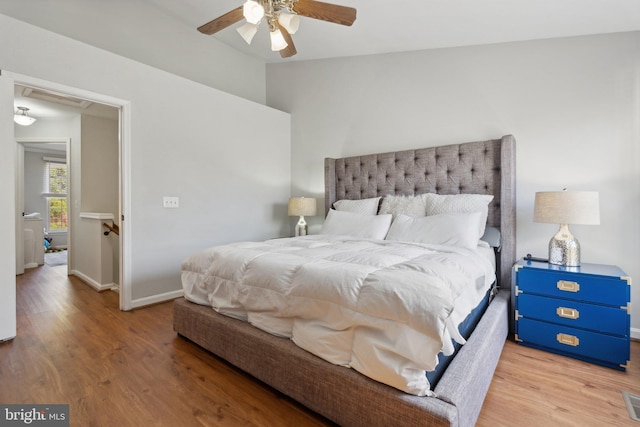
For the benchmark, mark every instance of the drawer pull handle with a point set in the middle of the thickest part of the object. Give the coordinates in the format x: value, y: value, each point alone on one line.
x: 567, y: 313
x: 568, y: 340
x: 565, y: 285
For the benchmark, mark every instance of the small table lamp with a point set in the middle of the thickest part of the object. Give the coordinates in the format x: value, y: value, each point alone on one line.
x: 564, y: 208
x: 300, y: 206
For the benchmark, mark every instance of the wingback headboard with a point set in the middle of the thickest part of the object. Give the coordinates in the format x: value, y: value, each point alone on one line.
x: 481, y: 167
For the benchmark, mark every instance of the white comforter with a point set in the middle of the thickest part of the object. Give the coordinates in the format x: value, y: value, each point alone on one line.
x: 383, y: 308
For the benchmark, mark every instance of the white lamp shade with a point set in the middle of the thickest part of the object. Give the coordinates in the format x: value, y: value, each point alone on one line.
x: 567, y: 207
x: 247, y: 31
x: 23, y: 120
x: 252, y: 11
x: 289, y: 21
x: 302, y: 206
x: 277, y: 41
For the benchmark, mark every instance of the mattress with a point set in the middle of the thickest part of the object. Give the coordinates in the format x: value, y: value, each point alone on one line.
x: 385, y: 309
x: 466, y: 328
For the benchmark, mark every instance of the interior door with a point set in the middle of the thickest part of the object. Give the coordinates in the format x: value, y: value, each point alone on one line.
x: 7, y: 212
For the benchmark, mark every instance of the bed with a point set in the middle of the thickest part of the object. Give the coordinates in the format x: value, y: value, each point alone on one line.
x: 344, y: 395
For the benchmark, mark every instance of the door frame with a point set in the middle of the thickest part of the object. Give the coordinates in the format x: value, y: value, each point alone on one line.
x: 20, y: 194
x: 124, y: 165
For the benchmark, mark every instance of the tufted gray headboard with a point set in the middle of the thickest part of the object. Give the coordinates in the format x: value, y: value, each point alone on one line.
x: 482, y: 167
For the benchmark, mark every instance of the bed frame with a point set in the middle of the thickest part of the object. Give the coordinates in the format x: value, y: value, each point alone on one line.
x: 343, y: 395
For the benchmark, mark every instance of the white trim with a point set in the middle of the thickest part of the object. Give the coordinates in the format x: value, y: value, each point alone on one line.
x: 155, y: 299
x: 93, y: 215
x: 635, y: 333
x: 89, y: 281
x: 49, y: 86
x: 124, y: 107
x: 54, y: 159
x: 126, y: 231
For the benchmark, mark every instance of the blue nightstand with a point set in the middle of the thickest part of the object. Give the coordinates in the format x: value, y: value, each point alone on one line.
x: 580, y: 312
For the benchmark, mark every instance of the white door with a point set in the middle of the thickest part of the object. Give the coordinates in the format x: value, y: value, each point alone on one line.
x: 7, y: 212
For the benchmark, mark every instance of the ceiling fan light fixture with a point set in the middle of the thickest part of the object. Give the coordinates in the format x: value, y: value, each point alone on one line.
x: 247, y: 31
x: 252, y: 11
x: 22, y: 118
x: 277, y: 41
x: 289, y: 21
x: 282, y: 17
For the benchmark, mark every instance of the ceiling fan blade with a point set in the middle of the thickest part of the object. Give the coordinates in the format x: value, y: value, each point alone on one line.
x: 290, y: 50
x: 342, y: 15
x: 222, y: 22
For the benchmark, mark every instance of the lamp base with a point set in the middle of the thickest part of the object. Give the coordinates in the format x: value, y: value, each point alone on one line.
x: 301, y: 227
x: 564, y: 248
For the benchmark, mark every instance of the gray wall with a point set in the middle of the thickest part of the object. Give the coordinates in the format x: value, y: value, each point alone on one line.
x: 573, y: 105
x: 99, y: 170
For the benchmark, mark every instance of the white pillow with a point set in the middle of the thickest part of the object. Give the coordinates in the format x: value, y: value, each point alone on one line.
x: 356, y: 225
x: 459, y: 203
x: 446, y: 229
x: 414, y: 206
x: 363, y: 206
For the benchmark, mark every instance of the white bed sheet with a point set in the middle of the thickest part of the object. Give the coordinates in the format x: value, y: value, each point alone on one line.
x: 383, y: 308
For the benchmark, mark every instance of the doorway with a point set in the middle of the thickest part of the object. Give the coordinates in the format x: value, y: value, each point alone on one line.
x: 42, y: 199
x: 92, y: 110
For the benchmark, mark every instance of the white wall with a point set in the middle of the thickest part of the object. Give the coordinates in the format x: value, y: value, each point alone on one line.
x: 140, y: 31
x: 7, y: 213
x: 34, y: 170
x: 186, y: 140
x: 572, y: 104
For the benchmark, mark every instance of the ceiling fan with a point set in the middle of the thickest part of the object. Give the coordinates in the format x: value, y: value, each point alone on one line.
x: 282, y: 16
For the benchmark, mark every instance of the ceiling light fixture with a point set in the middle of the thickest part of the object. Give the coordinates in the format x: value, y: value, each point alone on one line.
x: 277, y: 41
x: 283, y: 18
x: 253, y: 11
x: 289, y: 21
x: 22, y: 118
x: 247, y: 31
x: 277, y: 12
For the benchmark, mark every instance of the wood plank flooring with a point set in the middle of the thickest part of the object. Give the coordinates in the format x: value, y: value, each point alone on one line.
x: 130, y: 369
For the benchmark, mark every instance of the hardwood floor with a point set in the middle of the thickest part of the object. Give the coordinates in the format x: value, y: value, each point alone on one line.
x: 129, y: 369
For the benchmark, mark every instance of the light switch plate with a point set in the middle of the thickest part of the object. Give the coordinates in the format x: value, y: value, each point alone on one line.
x: 170, y: 202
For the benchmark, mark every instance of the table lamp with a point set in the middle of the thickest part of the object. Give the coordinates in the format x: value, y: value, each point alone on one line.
x: 300, y: 206
x: 564, y: 208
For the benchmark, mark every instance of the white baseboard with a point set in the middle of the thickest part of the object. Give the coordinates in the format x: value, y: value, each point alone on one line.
x: 31, y: 265
x: 155, y: 299
x: 635, y: 333
x: 89, y: 281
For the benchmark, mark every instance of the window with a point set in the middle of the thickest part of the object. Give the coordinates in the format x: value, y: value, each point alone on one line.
x: 56, y: 195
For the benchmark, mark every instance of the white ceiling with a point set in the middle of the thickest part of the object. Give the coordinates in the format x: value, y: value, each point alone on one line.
x: 49, y: 105
x: 382, y: 26
x: 157, y: 31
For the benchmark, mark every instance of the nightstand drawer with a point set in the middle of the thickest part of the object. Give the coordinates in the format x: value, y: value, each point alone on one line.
x: 591, y: 346
x: 575, y: 314
x: 574, y: 286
